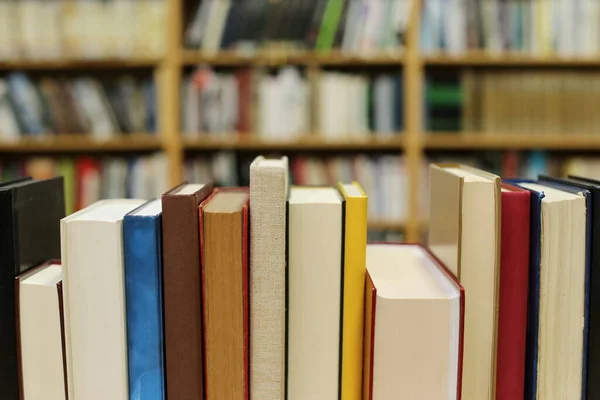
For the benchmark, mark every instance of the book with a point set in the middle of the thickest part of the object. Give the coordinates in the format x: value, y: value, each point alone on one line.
x: 94, y: 300
x: 355, y: 247
x: 552, y: 345
x: 184, y: 372
x: 464, y: 209
x: 268, y: 194
x: 514, y: 280
x: 40, y: 327
x: 591, y: 367
x: 224, y: 229
x: 30, y: 213
x: 414, y: 320
x: 142, y: 247
x: 316, y: 266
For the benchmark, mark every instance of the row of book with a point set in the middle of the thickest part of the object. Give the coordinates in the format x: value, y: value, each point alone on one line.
x: 59, y: 29
x: 103, y: 108
x: 349, y: 105
x: 534, y: 27
x: 192, y: 296
x: 513, y: 102
x: 384, y: 177
x: 351, y: 26
x: 89, y: 179
x: 178, y: 297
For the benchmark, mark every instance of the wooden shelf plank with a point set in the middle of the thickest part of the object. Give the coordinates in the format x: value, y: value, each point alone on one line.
x: 509, y: 60
x: 467, y: 141
x: 308, y: 142
x: 82, y: 143
x: 59, y: 64
x: 277, y: 58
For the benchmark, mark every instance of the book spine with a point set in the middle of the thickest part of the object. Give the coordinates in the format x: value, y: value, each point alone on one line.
x: 143, y: 289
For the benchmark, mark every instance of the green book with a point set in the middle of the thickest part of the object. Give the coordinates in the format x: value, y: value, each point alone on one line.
x: 66, y: 169
x: 447, y: 94
x: 329, y: 24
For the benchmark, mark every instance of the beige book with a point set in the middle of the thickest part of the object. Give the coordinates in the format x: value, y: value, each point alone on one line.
x: 315, y: 232
x: 8, y: 30
x: 268, y: 194
x: 468, y: 110
x: 94, y: 300
x: 465, y: 235
x: 562, y: 276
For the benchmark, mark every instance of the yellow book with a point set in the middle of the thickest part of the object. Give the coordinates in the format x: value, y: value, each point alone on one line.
x: 355, y: 249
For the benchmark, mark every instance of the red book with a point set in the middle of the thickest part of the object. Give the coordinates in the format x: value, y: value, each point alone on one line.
x: 514, y: 275
x: 224, y: 234
x: 244, y: 81
x: 413, y: 306
x: 88, y: 182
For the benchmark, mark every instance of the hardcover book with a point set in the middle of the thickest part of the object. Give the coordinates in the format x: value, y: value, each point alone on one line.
x: 413, y: 325
x: 182, y: 291
x: 465, y: 235
x: 142, y: 245
x: 224, y: 232
x: 30, y: 213
x: 40, y: 332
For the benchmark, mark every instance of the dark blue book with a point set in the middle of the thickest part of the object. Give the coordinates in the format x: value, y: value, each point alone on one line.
x: 533, y: 303
x: 143, y: 295
x: 537, y: 196
x: 591, y: 359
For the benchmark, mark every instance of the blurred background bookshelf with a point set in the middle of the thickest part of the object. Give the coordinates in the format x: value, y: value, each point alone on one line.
x: 371, y: 90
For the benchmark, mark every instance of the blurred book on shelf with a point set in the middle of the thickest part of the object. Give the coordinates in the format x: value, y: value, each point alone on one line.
x: 383, y: 177
x: 533, y: 27
x: 102, y: 108
x: 353, y: 26
x: 532, y: 102
x: 63, y: 29
x: 348, y: 105
x: 88, y: 179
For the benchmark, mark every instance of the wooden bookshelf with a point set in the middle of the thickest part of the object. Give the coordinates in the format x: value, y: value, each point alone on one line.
x: 480, y: 141
x: 487, y: 59
x: 307, y: 142
x: 281, y: 58
x: 82, y: 143
x: 78, y: 64
x: 412, y: 143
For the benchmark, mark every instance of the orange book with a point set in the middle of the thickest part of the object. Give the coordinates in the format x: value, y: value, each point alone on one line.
x: 224, y: 251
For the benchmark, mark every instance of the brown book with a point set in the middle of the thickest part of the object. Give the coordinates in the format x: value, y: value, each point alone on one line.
x: 224, y: 248
x: 181, y: 283
x: 244, y: 81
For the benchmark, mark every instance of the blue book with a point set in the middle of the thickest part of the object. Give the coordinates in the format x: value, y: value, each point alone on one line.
x: 533, y: 307
x: 142, y: 241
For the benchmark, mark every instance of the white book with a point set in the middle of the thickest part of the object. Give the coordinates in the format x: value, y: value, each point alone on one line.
x: 191, y: 106
x: 28, y: 28
x: 456, y: 22
x: 95, y: 109
x: 215, y: 26
x: 9, y: 126
x: 413, y: 316
x: 465, y: 235
x: 268, y: 194
x: 40, y: 335
x: 94, y: 300
x: 122, y: 32
x: 8, y: 30
x: 315, y: 233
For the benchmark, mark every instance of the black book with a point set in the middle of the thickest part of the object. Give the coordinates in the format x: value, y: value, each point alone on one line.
x: 592, y: 381
x: 232, y: 25
x: 30, y: 214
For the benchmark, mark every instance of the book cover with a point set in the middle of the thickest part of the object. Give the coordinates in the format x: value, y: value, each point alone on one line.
x: 142, y: 246
x: 371, y: 323
x: 182, y: 291
x: 268, y: 194
x: 40, y: 333
x: 224, y: 234
x: 30, y: 213
x: 355, y: 248
x: 514, y: 274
